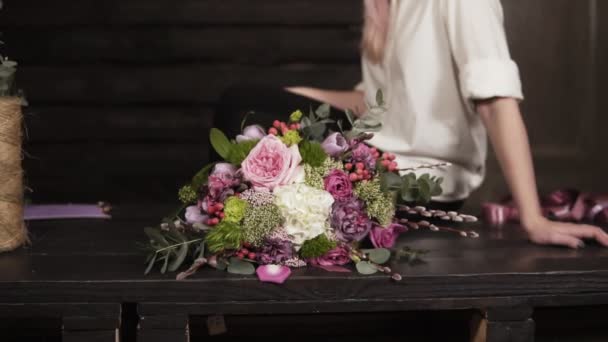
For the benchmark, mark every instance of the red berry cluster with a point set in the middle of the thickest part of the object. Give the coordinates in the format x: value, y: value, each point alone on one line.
x: 280, y: 126
x: 216, y: 213
x: 245, y: 252
x: 388, y: 161
x: 357, y: 172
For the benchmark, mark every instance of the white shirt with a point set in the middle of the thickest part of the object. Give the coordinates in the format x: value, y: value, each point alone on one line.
x: 441, y: 55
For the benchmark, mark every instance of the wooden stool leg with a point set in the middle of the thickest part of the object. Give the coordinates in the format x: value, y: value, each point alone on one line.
x: 160, y: 328
x: 91, y: 329
x: 503, y: 325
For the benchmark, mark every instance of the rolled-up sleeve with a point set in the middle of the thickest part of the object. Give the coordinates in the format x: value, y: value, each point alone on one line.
x: 480, y: 50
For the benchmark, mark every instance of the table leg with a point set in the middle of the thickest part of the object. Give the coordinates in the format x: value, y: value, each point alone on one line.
x: 503, y: 325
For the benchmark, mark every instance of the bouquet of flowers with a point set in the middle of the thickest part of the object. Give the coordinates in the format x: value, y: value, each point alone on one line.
x: 296, y: 194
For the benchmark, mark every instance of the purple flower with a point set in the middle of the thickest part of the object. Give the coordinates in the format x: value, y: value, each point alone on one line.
x: 335, y: 144
x: 338, y: 185
x: 194, y: 215
x: 349, y: 221
x: 221, y: 180
x: 275, y: 251
x: 273, y: 273
x: 386, y: 237
x: 362, y: 153
x: 338, y: 256
x: 253, y: 132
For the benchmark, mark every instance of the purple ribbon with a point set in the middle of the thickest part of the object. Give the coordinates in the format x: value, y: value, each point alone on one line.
x: 562, y: 205
x: 64, y: 211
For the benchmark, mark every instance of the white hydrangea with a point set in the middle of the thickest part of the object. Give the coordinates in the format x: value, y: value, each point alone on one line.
x: 305, y: 209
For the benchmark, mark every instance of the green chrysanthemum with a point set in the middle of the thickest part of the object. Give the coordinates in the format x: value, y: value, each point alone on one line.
x: 187, y: 195
x: 317, y: 247
x: 296, y: 116
x: 234, y: 209
x: 379, y: 205
x: 291, y: 138
x: 225, y: 236
x: 259, y: 222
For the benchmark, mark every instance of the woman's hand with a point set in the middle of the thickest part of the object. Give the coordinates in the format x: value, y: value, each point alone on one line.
x: 545, y: 232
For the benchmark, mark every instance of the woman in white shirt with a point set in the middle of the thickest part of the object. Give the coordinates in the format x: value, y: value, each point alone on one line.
x: 448, y: 78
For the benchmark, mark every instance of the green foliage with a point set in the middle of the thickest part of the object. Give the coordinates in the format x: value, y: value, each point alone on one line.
x: 412, y: 255
x: 378, y: 255
x: 221, y: 144
x: 296, y: 116
x: 201, y: 177
x: 412, y: 189
x: 312, y: 153
x: 366, y: 268
x: 225, y: 236
x: 291, y: 138
x: 317, y: 247
x: 315, y: 124
x: 237, y: 266
x: 187, y: 195
x: 379, y: 204
x: 169, y: 248
x: 239, y: 151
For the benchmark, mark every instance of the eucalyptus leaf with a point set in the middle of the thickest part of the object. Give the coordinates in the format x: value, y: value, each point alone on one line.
x: 201, y: 250
x: 151, y: 263
x: 237, y: 266
x: 323, y: 111
x: 163, y: 270
x: 181, y: 254
x: 390, y: 181
x: 366, y: 268
x: 221, y: 265
x: 201, y: 176
x: 379, y: 255
x: 220, y: 142
x: 424, y: 190
x: 155, y: 234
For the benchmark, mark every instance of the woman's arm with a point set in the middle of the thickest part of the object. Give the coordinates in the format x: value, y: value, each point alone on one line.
x: 507, y: 132
x: 353, y: 100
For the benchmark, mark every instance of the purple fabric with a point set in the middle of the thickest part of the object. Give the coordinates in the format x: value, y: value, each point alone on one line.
x: 63, y: 211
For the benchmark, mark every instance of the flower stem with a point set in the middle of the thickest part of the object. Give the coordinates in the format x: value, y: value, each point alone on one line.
x: 177, y: 245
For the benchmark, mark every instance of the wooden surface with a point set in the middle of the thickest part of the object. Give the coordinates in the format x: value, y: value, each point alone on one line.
x: 98, y: 263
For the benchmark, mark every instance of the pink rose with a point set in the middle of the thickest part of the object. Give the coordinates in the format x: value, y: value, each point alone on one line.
x: 338, y: 185
x: 271, y: 163
x: 386, y: 237
x: 338, y: 256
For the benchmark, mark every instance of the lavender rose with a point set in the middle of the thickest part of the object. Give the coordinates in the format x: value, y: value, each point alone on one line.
x: 275, y: 252
x: 349, y: 221
x: 338, y: 185
x: 386, y: 237
x: 253, y: 132
x: 335, y: 144
x: 338, y: 256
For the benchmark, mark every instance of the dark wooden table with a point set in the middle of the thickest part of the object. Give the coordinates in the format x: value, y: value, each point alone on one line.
x: 83, y: 271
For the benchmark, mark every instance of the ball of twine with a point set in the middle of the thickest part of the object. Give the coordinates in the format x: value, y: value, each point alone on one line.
x: 13, y: 232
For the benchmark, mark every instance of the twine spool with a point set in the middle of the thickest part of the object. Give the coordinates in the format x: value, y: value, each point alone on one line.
x: 13, y: 232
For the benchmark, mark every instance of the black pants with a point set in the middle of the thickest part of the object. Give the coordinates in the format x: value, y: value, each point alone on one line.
x: 274, y: 103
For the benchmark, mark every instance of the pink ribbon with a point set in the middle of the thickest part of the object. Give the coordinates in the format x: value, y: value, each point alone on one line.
x: 562, y: 205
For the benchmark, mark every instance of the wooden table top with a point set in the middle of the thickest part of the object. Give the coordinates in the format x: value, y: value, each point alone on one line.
x: 99, y: 261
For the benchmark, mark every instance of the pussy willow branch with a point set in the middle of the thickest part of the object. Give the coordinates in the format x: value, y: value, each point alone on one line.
x: 427, y: 167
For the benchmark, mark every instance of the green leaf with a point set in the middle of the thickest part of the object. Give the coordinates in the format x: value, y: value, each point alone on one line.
x: 350, y: 115
x: 390, y: 181
x: 222, y: 265
x: 220, y: 142
x: 237, y: 266
x: 323, y: 111
x: 379, y: 98
x: 151, y: 263
x: 201, y: 250
x: 181, y: 254
x: 378, y: 255
x: 163, y: 270
x: 366, y: 268
x: 424, y: 189
x: 247, y: 115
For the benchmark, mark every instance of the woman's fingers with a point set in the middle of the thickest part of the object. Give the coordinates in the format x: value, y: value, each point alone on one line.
x: 586, y: 232
x: 566, y: 240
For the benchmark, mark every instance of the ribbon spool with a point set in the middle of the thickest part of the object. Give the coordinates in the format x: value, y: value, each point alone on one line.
x: 13, y: 232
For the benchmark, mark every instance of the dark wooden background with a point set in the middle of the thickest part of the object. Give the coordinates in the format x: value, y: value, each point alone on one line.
x: 122, y: 92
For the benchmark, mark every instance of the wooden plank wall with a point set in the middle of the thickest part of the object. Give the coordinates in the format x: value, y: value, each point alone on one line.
x: 123, y: 92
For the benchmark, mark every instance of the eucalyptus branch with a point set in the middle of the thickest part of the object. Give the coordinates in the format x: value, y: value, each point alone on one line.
x: 177, y: 245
